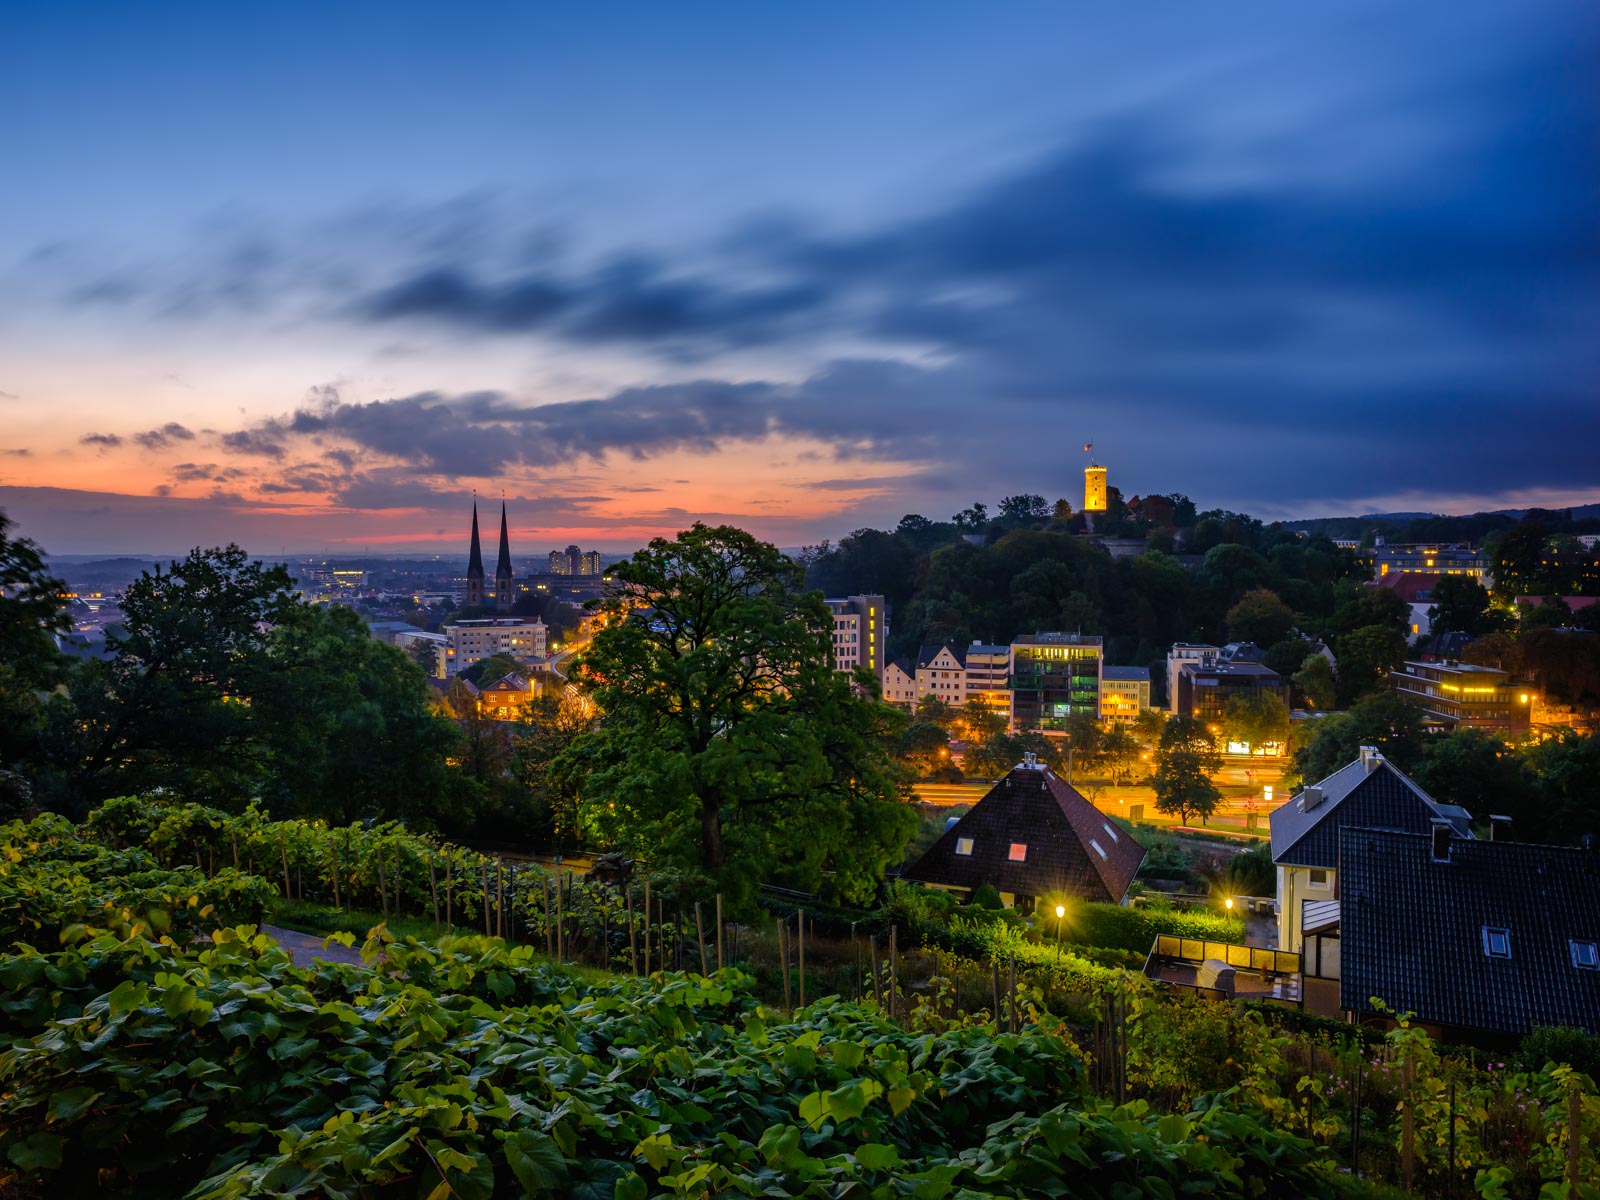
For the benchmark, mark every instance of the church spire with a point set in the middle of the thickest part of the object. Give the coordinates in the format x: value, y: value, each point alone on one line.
x: 475, y: 564
x: 503, y: 585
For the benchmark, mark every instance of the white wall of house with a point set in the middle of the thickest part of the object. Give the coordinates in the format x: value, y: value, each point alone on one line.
x: 1295, y: 886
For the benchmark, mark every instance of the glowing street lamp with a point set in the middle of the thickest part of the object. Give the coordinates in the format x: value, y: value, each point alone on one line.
x: 1061, y: 914
x: 1228, y: 903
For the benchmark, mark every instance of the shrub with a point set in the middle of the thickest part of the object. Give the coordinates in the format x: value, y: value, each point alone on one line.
x: 1116, y: 927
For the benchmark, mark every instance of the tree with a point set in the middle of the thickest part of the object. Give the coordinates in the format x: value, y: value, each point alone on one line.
x: 171, y: 707
x: 1260, y: 718
x: 1000, y: 752
x: 546, y: 807
x: 1148, y: 726
x: 33, y: 609
x: 1287, y: 656
x: 491, y: 670
x: 978, y: 721
x: 1119, y: 753
x: 1384, y: 719
x: 425, y: 654
x: 935, y: 710
x: 727, y: 742
x: 924, y: 747
x: 1366, y: 656
x: 972, y: 519
x: 1460, y: 605
x: 1479, y: 772
x: 1315, y: 682
x: 1235, y: 569
x: 1260, y: 617
x: 1025, y: 509
x: 1185, y: 762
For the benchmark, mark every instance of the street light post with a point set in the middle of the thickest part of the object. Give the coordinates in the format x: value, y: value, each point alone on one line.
x: 1061, y: 913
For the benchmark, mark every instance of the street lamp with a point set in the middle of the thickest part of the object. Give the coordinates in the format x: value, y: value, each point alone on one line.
x: 1061, y: 913
x: 1228, y: 903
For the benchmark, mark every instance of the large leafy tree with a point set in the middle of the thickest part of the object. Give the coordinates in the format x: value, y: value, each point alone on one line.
x: 1186, y: 760
x: 171, y: 707
x: 32, y: 611
x: 727, y: 742
x: 1258, y: 718
x: 1460, y: 605
x: 1260, y: 617
x: 1384, y: 719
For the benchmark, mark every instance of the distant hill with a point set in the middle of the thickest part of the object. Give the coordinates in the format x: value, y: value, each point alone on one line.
x: 1429, y: 527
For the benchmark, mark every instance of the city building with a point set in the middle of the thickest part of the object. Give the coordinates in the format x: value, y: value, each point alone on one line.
x: 573, y: 561
x: 1368, y: 793
x: 988, y: 677
x: 1457, y: 695
x: 1429, y: 558
x: 506, y: 698
x: 860, y: 634
x: 1181, y: 653
x: 1205, y: 687
x: 1416, y: 589
x: 1036, y: 841
x: 470, y: 641
x: 900, y: 683
x: 473, y: 597
x: 942, y: 672
x: 1054, y: 676
x: 1124, y: 692
x: 1478, y: 939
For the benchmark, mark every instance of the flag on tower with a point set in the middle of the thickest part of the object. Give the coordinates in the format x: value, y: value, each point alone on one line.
x: 1088, y: 446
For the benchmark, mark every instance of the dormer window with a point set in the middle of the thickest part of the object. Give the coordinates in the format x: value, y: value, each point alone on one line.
x: 1496, y: 942
x: 1019, y: 852
x: 1585, y: 955
x: 963, y: 845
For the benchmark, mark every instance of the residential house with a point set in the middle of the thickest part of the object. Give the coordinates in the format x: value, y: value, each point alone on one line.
x: 900, y: 683
x: 1033, y: 838
x: 1369, y: 793
x: 1124, y: 693
x: 942, y: 672
x: 1416, y: 589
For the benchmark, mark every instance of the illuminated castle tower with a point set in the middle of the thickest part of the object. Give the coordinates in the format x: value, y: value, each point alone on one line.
x: 1094, y: 484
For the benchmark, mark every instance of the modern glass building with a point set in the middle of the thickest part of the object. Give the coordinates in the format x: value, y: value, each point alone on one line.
x: 1053, y: 676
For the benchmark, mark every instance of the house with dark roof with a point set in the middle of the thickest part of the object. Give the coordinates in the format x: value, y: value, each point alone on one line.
x: 942, y: 672
x: 900, y: 683
x: 1369, y: 793
x: 1474, y: 937
x: 1033, y: 838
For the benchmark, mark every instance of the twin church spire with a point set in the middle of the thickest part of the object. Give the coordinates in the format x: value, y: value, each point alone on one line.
x: 504, y: 581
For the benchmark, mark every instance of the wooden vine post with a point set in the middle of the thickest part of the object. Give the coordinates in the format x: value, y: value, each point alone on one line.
x: 383, y: 886
x: 719, y: 931
x: 647, y: 927
x: 783, y: 959
x: 633, y: 934
x: 877, y: 978
x: 487, y: 932
x: 894, y: 972
x: 700, y: 937
x: 549, y: 929
x: 800, y: 937
x: 1408, y: 1127
x: 449, y: 892
x: 334, y: 848
x: 560, y: 948
x: 433, y: 890
x: 500, y: 898
x: 283, y: 848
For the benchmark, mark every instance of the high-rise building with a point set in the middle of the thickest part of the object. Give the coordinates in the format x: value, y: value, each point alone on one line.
x: 560, y: 564
x: 590, y: 563
x: 474, y: 596
x: 1054, y: 676
x: 860, y: 633
x: 573, y: 561
x: 504, y: 585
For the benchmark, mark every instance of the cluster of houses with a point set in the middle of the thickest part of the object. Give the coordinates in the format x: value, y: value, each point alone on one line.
x: 1387, y: 901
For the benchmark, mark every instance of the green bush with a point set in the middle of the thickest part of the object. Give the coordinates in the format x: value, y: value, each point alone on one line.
x: 1118, y: 928
x: 1561, y: 1044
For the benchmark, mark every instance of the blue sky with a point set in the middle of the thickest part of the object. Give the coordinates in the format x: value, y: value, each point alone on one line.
x: 309, y: 274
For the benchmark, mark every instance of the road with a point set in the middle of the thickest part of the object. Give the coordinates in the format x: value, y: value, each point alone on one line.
x: 1241, y: 780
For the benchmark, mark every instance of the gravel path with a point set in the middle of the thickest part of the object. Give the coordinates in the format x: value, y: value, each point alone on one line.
x: 305, y: 947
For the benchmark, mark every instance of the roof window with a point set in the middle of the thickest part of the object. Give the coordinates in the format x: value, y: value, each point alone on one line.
x: 1019, y: 852
x: 963, y: 845
x: 1111, y: 831
x: 1098, y: 848
x: 1496, y: 942
x: 1585, y: 955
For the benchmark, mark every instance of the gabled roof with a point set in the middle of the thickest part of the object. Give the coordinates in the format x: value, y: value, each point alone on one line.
x: 1414, y: 587
x: 510, y: 682
x: 928, y: 652
x: 1072, y: 848
x: 1369, y: 792
x: 904, y: 665
x: 1412, y: 930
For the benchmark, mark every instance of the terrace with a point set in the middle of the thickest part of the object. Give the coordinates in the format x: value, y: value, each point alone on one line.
x: 1225, y: 970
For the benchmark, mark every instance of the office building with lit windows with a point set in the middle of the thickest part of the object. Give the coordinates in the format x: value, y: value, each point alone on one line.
x: 1431, y: 558
x: 467, y: 642
x: 1054, y: 676
x: 1456, y: 695
x: 860, y: 634
x: 1124, y: 693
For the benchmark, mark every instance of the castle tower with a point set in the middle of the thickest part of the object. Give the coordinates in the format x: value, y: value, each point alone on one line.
x: 1094, y: 484
x: 504, y: 591
x: 474, y: 598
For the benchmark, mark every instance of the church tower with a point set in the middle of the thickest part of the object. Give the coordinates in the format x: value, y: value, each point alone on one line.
x: 504, y: 592
x: 474, y: 597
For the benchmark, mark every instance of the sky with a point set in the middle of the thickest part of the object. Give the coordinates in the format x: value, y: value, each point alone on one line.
x: 308, y: 276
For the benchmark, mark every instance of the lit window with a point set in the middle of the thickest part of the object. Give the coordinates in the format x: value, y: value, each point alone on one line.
x: 963, y: 845
x: 1496, y: 942
x: 1585, y: 955
x: 1019, y: 852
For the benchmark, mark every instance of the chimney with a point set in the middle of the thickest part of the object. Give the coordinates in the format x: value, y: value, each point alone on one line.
x: 1441, y: 841
x: 1370, y: 758
x: 1310, y: 798
x: 1499, y: 828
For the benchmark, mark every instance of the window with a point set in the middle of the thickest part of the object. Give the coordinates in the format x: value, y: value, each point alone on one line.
x: 1019, y: 852
x: 1098, y: 848
x: 1585, y: 955
x: 1496, y: 942
x: 1319, y: 877
x: 963, y: 845
x: 1111, y: 831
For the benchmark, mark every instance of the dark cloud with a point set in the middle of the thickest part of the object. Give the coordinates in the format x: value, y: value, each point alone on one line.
x: 20, y: 453
x: 105, y: 441
x: 252, y: 442
x: 193, y: 472
x: 160, y: 439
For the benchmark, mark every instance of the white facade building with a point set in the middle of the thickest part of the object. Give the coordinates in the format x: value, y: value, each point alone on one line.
x: 467, y: 642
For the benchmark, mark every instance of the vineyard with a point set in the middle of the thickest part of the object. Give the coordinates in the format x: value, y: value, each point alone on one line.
x: 153, y: 1044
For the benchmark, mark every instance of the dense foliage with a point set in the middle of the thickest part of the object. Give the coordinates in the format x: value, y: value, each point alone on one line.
x: 727, y: 741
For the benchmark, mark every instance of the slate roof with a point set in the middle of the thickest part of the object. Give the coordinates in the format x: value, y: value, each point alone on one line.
x: 512, y: 682
x: 928, y: 652
x: 1126, y: 674
x: 1061, y: 830
x: 1412, y: 930
x: 1382, y: 798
